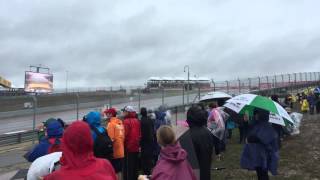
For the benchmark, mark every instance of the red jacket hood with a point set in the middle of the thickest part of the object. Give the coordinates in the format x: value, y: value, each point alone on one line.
x: 77, y: 146
x: 131, y: 115
x: 78, y: 161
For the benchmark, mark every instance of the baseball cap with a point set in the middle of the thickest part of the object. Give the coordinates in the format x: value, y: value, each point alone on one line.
x: 128, y: 109
x: 112, y: 111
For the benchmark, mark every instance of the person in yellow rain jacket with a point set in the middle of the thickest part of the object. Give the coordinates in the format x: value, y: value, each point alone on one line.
x: 115, y: 131
x: 304, y: 105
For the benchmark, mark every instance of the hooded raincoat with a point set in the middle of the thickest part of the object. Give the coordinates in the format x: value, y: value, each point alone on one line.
x: 173, y: 165
x: 261, y: 151
x: 78, y: 161
x: 132, y: 131
x: 54, y: 131
x: 94, y: 120
x: 216, y: 123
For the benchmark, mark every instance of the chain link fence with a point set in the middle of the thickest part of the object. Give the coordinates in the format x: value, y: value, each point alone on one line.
x: 28, y: 111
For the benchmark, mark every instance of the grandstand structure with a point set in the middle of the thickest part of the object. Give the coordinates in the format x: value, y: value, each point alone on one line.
x: 178, y: 83
x: 5, y: 83
x: 7, y: 90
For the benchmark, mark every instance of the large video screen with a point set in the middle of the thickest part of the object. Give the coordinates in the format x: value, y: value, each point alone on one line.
x: 38, y: 82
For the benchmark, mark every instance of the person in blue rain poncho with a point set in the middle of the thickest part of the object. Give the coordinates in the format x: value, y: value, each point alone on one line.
x: 261, y: 152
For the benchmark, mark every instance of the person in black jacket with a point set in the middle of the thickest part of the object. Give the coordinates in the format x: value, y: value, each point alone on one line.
x: 147, y: 142
x: 201, y: 141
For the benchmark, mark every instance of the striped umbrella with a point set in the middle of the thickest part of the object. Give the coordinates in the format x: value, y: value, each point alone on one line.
x: 247, y: 102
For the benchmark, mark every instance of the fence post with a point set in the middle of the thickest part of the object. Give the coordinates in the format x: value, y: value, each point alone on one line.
x: 239, y: 86
x: 290, y: 84
x: 306, y: 77
x: 162, y: 98
x: 183, y: 94
x: 282, y: 80
x: 259, y: 83
x: 77, y: 105
x: 249, y: 79
x: 295, y: 81
x: 214, y: 85
x: 275, y: 81
x: 227, y: 86
x: 310, y: 75
x: 139, y: 99
x: 176, y: 110
x: 35, y: 104
x: 110, y: 98
x: 199, y: 92
x: 274, y: 86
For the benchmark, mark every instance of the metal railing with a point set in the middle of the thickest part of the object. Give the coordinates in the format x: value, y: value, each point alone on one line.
x: 17, y: 138
x: 266, y: 85
x: 27, y: 136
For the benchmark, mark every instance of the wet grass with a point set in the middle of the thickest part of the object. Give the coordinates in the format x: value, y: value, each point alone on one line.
x: 299, y: 156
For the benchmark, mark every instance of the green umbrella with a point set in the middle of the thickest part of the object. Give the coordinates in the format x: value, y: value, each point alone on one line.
x: 247, y: 102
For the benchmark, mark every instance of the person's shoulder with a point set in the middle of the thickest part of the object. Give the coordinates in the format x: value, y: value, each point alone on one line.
x: 54, y: 176
x: 101, y: 129
x: 43, y: 143
x: 200, y: 131
x: 136, y: 120
x: 111, y: 124
x: 105, y: 164
x: 161, y: 171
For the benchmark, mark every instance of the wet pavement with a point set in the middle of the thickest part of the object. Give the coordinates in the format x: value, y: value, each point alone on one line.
x: 19, y: 123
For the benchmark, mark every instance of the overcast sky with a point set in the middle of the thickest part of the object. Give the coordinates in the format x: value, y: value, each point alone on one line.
x: 111, y: 43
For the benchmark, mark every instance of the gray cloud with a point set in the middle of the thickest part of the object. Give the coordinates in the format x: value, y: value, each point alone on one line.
x: 123, y: 43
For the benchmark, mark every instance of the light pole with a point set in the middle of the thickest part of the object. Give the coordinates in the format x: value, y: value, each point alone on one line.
x: 259, y: 83
x: 239, y: 86
x: 227, y: 86
x: 214, y: 85
x: 188, y: 87
x: 295, y: 81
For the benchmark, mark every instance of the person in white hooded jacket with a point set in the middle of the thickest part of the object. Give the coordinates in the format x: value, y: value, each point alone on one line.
x: 43, y: 166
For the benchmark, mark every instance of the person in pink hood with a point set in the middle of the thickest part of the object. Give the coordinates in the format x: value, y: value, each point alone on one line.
x: 173, y: 163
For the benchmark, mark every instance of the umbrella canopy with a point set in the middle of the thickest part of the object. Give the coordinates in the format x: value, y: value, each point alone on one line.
x: 215, y: 95
x: 247, y: 102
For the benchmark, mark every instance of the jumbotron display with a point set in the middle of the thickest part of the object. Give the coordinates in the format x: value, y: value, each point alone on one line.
x: 38, y: 82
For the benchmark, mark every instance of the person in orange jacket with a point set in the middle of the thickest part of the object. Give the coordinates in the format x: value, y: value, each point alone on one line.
x: 115, y: 131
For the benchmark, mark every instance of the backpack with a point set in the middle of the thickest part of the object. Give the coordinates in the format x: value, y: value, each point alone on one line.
x: 103, y: 146
x: 55, y: 145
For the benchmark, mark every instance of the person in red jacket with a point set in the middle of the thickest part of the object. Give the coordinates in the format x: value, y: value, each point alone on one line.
x: 131, y: 143
x: 78, y: 161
